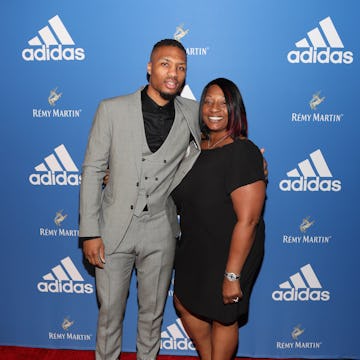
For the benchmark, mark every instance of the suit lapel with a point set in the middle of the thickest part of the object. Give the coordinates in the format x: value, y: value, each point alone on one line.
x: 136, y: 123
x: 195, y: 131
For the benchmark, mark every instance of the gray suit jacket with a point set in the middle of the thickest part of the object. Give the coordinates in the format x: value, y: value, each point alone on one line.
x: 115, y: 140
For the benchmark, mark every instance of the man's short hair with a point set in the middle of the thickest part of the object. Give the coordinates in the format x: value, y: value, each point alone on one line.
x: 168, y: 42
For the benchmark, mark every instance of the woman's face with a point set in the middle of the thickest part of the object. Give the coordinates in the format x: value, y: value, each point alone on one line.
x: 214, y: 110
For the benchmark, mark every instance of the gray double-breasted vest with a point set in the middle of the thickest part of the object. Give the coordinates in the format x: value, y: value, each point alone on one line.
x: 158, y: 169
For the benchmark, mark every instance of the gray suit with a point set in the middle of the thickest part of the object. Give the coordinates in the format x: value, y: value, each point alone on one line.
x: 132, y: 236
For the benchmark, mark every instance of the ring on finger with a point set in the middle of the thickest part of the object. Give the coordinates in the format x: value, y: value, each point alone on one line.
x: 235, y: 300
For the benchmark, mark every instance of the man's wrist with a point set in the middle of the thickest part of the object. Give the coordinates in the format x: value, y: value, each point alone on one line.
x: 85, y: 238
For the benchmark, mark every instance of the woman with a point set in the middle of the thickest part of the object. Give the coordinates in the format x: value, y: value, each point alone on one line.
x: 220, y: 203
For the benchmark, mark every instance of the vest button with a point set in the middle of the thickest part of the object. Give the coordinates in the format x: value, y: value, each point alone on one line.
x: 156, y: 179
x: 131, y: 207
x: 137, y: 184
x: 143, y: 159
x: 164, y: 161
x: 146, y: 177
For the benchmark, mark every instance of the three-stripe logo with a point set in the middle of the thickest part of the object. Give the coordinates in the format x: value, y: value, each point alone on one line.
x: 176, y: 338
x: 312, y: 175
x: 57, y: 168
x: 321, y: 42
x: 53, y: 42
x: 301, y: 286
x: 64, y: 278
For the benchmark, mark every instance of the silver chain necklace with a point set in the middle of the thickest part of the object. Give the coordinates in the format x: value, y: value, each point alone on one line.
x: 216, y: 142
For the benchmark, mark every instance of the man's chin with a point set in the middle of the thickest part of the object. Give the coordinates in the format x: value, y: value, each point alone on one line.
x: 168, y: 96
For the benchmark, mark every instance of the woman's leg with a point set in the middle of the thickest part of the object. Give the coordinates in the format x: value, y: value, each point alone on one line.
x: 224, y: 340
x: 198, y: 330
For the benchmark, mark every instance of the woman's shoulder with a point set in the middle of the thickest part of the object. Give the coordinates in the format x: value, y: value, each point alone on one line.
x: 246, y: 144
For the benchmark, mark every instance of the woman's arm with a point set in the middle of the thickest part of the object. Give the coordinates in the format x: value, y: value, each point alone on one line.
x: 248, y: 202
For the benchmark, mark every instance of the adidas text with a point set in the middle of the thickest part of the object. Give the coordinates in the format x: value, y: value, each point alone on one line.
x: 313, y: 56
x: 64, y: 287
x: 57, y: 53
x: 302, y: 295
x: 52, y: 178
x: 177, y: 344
x: 310, y: 184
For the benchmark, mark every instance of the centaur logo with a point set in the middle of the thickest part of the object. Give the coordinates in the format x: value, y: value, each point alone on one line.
x: 176, y: 338
x: 53, y: 43
x: 320, y: 47
x: 303, y: 286
x: 57, y: 169
x: 311, y: 176
x: 64, y: 278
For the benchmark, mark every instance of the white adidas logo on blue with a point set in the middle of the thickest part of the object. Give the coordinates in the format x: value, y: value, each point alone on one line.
x: 176, y: 338
x: 53, y: 42
x: 312, y: 175
x: 57, y: 168
x: 323, y: 44
x: 64, y: 278
x: 301, y: 286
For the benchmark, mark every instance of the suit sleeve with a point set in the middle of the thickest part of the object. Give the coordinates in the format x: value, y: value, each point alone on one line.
x: 93, y: 172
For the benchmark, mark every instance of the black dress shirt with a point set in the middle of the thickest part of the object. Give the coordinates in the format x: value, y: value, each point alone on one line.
x: 158, y: 120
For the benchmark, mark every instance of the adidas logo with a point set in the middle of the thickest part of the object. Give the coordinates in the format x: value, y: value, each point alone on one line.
x: 307, y: 280
x: 309, y: 176
x: 55, y: 170
x: 325, y: 38
x: 176, y: 338
x: 53, y: 42
x: 64, y: 278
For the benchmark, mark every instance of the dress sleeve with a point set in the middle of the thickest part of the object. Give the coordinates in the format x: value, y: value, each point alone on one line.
x: 245, y: 165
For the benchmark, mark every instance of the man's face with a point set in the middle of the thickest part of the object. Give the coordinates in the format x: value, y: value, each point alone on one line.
x: 167, y: 70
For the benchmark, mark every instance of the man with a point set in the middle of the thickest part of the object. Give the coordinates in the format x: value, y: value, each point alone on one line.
x: 149, y: 140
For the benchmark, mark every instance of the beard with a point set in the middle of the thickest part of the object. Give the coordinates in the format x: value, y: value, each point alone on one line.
x: 168, y: 96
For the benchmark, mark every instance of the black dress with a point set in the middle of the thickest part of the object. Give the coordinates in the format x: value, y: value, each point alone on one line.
x: 207, y: 220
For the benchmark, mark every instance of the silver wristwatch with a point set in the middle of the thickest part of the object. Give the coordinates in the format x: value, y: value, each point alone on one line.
x: 232, y: 276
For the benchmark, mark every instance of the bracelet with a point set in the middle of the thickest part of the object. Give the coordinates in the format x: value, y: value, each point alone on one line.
x: 232, y: 276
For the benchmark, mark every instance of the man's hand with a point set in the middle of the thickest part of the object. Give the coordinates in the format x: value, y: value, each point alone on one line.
x: 94, y: 252
x: 266, y: 171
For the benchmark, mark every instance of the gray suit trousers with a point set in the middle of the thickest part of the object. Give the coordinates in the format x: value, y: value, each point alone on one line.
x: 149, y: 245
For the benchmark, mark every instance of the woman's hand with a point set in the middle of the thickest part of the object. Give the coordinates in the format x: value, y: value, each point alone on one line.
x: 106, y: 177
x: 231, y: 291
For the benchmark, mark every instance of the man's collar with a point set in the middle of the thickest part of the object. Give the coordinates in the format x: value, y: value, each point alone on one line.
x: 151, y: 104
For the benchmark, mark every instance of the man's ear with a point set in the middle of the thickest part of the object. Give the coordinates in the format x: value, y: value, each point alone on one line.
x: 149, y: 66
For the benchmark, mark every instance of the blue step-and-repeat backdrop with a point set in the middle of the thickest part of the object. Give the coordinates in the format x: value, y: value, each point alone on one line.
x: 297, y: 65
